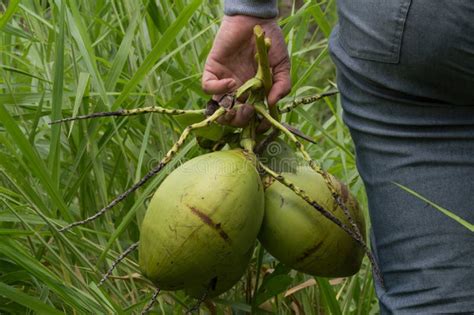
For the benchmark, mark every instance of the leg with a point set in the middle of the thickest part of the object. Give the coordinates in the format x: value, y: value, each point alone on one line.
x: 427, y: 259
x: 405, y: 91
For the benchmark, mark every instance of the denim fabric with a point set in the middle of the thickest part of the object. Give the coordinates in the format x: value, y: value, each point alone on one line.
x: 406, y: 75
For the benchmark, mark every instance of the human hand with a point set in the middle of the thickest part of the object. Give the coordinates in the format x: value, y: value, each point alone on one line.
x: 231, y: 62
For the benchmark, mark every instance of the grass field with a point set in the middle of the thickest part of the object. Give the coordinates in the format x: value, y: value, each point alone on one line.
x: 60, y: 58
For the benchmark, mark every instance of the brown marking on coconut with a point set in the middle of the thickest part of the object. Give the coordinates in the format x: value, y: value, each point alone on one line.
x: 208, y: 221
x: 344, y: 192
x: 310, y: 251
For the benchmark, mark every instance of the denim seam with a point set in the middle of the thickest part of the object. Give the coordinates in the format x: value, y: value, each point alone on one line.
x: 398, y: 36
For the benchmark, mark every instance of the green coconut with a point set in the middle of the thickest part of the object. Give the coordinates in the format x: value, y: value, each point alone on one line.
x: 300, y: 237
x: 202, y: 223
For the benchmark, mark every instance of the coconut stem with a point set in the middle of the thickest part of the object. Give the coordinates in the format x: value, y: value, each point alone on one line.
x: 150, y: 304
x: 117, y: 261
x: 168, y: 157
x: 248, y: 136
x: 356, y: 236
x: 306, y: 100
x: 203, y: 298
x: 167, y: 111
x: 263, y: 71
x: 131, y: 112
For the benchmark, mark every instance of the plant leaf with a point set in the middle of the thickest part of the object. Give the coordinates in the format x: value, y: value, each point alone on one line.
x: 453, y: 216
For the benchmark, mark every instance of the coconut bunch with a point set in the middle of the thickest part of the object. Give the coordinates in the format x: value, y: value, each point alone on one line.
x: 204, y: 220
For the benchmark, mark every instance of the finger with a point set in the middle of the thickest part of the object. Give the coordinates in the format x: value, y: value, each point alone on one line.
x: 239, y: 117
x: 263, y: 126
x: 227, y: 118
x: 243, y: 116
x: 211, y: 84
x: 281, y: 82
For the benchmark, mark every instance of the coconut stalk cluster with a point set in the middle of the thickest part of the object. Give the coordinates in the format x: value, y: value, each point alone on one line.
x: 203, y: 222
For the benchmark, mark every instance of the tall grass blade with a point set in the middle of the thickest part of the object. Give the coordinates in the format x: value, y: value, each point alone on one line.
x: 57, y: 101
x: 11, y: 9
x: 450, y: 214
x: 30, y: 302
x: 160, y: 47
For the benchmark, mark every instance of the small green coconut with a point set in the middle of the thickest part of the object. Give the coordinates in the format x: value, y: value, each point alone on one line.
x: 202, y: 223
x: 300, y: 237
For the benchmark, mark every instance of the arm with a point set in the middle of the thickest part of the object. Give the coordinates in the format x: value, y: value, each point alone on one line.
x: 231, y: 60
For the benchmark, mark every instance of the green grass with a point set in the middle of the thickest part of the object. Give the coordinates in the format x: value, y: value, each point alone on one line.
x: 66, y: 57
x: 445, y: 211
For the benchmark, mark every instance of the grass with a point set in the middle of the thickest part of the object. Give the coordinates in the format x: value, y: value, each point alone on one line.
x: 445, y: 211
x: 65, y: 57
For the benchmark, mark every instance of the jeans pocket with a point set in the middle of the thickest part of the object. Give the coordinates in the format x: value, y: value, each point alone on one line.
x: 373, y: 29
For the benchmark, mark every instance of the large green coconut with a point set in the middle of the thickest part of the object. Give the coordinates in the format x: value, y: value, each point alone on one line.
x: 300, y: 237
x: 202, y: 223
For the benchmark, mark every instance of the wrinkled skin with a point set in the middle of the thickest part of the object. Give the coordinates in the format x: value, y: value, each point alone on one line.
x: 231, y: 62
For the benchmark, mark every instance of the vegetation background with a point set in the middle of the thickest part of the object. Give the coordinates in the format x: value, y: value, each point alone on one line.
x: 60, y: 58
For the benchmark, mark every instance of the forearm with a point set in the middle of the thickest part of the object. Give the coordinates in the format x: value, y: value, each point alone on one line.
x: 257, y: 8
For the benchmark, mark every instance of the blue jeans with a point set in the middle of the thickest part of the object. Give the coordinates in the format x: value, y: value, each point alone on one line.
x: 406, y: 75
